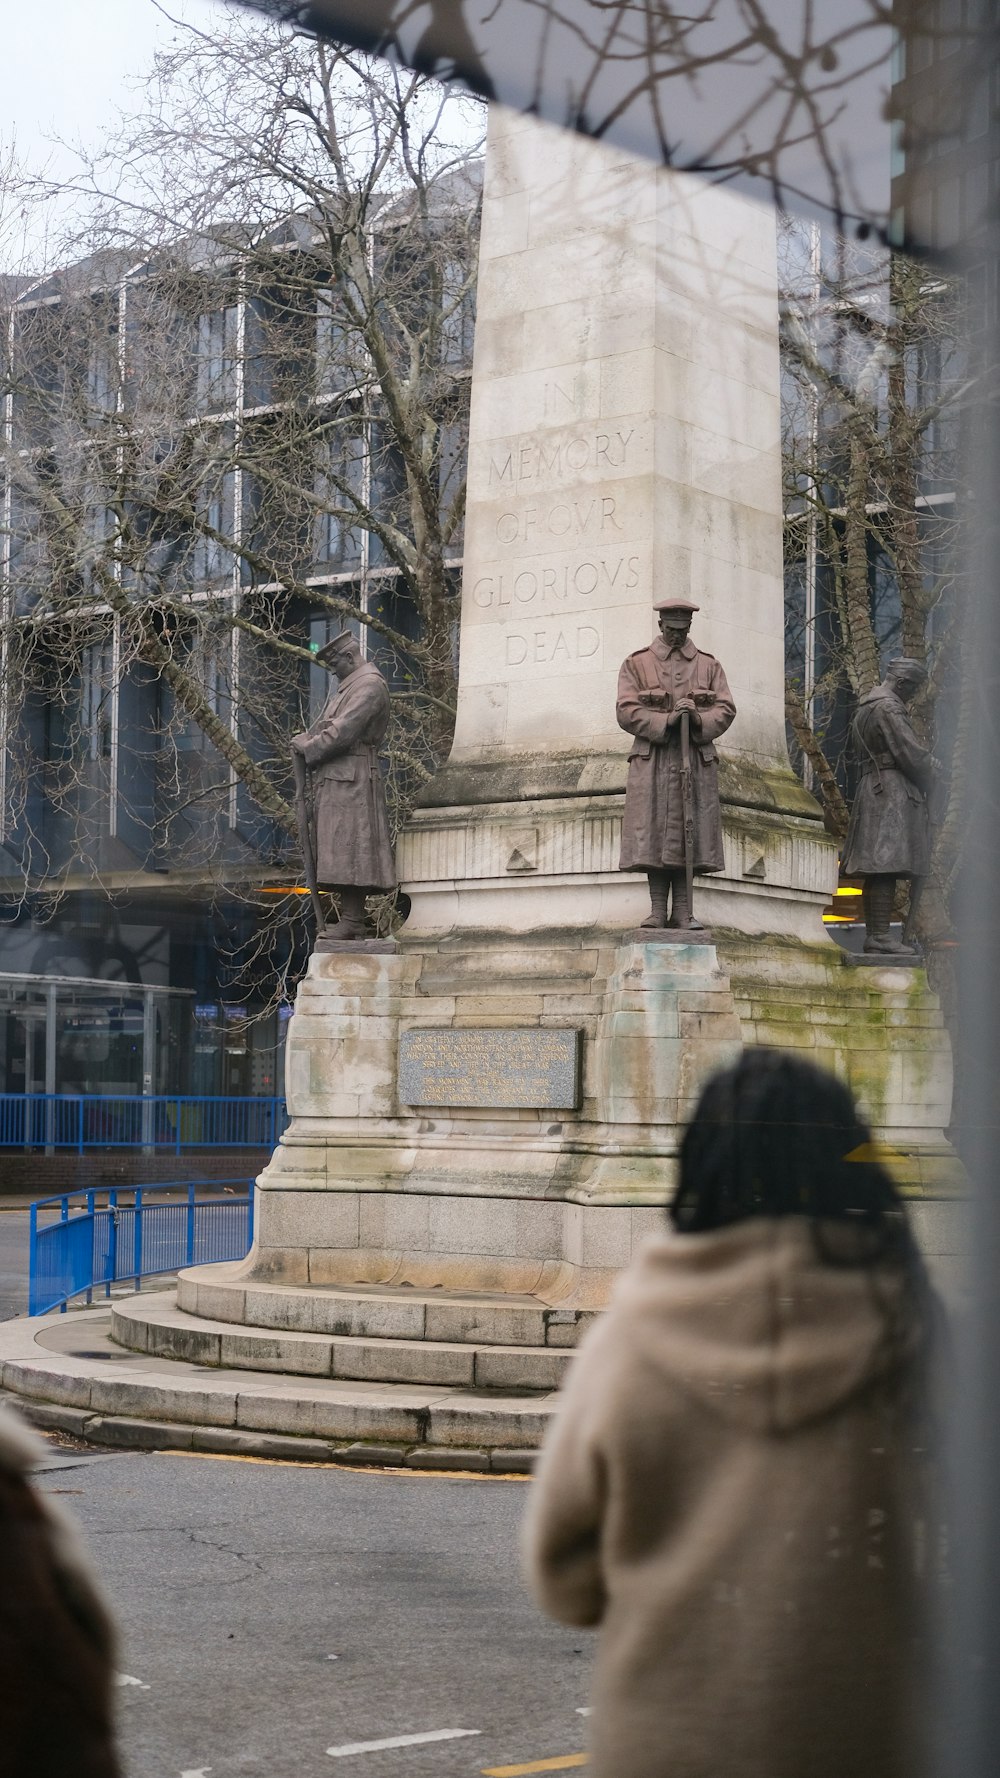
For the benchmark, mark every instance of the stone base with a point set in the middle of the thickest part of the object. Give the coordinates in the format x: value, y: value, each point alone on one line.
x: 364, y: 1191
x: 669, y: 935
x: 68, y: 1372
x: 356, y: 947
x: 884, y: 959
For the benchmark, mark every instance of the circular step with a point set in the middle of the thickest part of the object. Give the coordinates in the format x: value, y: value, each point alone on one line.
x: 69, y: 1372
x: 381, y: 1312
x: 156, y: 1324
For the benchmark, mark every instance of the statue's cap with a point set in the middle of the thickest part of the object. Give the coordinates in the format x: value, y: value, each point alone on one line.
x: 908, y: 667
x: 335, y: 644
x: 676, y: 605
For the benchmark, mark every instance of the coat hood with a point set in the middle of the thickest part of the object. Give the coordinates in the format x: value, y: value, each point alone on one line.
x: 752, y: 1322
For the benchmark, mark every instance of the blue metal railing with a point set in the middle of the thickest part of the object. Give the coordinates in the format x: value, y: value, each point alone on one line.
x: 100, y: 1238
x: 172, y: 1122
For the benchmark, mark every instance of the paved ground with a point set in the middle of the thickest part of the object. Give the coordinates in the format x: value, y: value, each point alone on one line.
x: 13, y: 1261
x: 272, y: 1612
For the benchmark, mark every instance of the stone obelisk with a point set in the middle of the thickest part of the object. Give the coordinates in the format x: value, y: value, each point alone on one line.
x: 495, y: 1105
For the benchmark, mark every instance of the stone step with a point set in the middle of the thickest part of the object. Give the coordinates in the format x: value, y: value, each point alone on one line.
x: 378, y: 1311
x: 155, y: 1324
x: 70, y: 1366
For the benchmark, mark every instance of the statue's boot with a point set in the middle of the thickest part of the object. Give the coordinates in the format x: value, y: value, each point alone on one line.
x: 879, y: 895
x: 351, y: 924
x: 680, y: 911
x: 659, y: 889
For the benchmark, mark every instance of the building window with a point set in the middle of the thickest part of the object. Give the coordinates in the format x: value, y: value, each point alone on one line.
x: 212, y: 559
x: 337, y: 368
x: 339, y: 489
x: 458, y: 313
x: 96, y: 693
x: 215, y: 383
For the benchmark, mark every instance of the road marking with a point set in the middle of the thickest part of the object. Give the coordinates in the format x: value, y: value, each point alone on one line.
x: 399, y: 1741
x: 197, y: 1772
x: 419, y: 1475
x: 562, y: 1764
x: 585, y: 1710
x: 128, y: 1679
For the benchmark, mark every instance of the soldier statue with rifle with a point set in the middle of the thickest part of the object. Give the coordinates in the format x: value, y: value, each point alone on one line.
x: 889, y: 832
x: 673, y: 697
x: 347, y: 846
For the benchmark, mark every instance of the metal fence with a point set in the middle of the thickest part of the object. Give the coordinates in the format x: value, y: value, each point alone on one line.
x: 82, y: 1241
x: 169, y: 1122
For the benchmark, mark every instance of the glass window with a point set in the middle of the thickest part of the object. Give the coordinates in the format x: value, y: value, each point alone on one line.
x: 96, y: 694
x: 212, y: 559
x: 458, y: 313
x: 339, y: 489
x: 215, y: 386
x: 337, y: 346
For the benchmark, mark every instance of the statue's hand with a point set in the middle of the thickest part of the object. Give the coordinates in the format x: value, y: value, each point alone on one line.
x: 298, y: 742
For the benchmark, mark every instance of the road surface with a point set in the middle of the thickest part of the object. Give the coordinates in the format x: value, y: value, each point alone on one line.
x: 283, y: 1620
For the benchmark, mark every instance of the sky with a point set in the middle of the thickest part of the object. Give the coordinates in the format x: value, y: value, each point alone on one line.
x: 68, y: 68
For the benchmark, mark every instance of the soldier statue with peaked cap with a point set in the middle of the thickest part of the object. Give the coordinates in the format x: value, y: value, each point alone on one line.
x: 673, y: 697
x: 889, y: 832
x: 352, y: 847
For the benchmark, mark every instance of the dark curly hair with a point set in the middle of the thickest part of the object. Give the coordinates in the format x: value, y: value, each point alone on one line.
x: 776, y: 1136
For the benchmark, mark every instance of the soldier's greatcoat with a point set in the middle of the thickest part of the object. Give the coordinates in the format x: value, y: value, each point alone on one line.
x: 653, y: 827
x: 350, y: 822
x: 889, y: 833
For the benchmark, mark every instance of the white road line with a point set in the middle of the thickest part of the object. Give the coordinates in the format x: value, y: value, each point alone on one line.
x: 584, y: 1710
x: 127, y: 1679
x: 197, y: 1772
x: 399, y: 1741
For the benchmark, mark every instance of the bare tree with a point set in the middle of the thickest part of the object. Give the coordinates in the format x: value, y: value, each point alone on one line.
x: 237, y: 419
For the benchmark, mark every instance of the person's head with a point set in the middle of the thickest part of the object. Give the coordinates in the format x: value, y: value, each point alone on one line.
x: 906, y: 676
x: 674, y: 619
x: 775, y: 1136
x: 342, y: 654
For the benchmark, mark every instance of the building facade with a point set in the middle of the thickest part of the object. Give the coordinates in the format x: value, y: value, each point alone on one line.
x: 207, y: 469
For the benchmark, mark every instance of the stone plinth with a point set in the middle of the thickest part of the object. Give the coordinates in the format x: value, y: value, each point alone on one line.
x: 365, y: 1189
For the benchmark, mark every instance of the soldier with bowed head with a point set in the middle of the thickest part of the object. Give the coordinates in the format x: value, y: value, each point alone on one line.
x: 673, y: 697
x: 889, y: 832
x: 350, y: 843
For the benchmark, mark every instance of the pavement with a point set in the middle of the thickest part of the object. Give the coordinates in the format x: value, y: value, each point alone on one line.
x: 13, y: 1257
x: 288, y: 1621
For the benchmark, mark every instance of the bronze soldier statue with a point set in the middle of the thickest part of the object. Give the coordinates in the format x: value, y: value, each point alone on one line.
x: 675, y: 700
x: 350, y: 849
x: 889, y: 832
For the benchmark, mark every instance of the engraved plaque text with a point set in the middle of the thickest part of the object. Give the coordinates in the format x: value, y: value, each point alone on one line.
x: 522, y: 1069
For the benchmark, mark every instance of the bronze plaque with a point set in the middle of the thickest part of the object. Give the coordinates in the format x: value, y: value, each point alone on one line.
x: 505, y: 1068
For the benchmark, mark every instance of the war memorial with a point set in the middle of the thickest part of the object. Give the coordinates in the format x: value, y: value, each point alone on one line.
x: 486, y: 1108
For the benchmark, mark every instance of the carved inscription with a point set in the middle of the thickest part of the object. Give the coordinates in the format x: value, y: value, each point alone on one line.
x: 548, y: 646
x: 548, y: 586
x: 532, y: 460
x: 522, y: 1069
x: 563, y: 552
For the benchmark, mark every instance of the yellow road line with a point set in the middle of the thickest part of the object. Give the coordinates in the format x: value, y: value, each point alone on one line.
x: 562, y: 1764
x: 464, y: 1475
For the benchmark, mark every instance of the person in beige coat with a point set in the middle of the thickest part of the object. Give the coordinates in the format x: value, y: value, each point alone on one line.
x: 736, y: 1487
